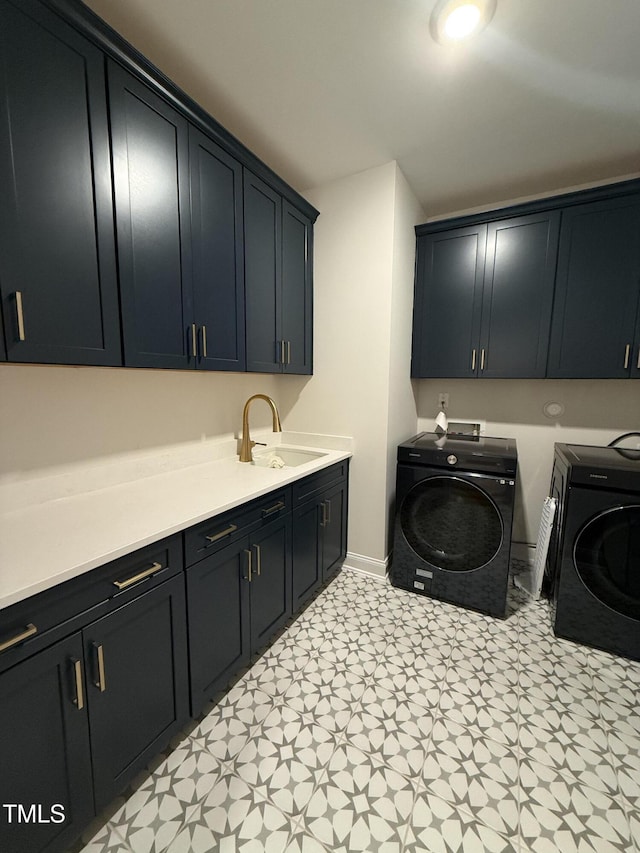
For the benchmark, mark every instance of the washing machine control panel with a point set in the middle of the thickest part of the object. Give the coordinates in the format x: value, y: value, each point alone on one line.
x: 452, y: 459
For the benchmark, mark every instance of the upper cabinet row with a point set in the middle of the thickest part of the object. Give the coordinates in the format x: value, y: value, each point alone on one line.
x: 127, y: 234
x: 550, y: 293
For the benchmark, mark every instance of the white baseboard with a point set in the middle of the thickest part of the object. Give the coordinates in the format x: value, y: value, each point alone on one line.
x: 366, y: 565
x: 523, y: 551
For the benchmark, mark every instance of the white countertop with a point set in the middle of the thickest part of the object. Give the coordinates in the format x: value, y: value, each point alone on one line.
x: 46, y: 542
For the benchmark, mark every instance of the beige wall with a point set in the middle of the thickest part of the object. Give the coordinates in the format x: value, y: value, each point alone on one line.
x: 596, y: 411
x: 56, y: 416
x: 365, y: 247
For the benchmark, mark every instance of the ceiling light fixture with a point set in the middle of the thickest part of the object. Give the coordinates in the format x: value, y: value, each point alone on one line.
x: 453, y: 21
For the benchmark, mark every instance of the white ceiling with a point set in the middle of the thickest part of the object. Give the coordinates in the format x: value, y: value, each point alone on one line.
x: 546, y: 98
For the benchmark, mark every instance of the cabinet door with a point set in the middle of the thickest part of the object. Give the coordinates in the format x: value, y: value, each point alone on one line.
x: 297, y: 290
x: 270, y: 580
x: 334, y: 529
x: 44, y: 751
x: 517, y: 296
x: 218, y: 257
x: 262, y: 263
x: 138, y: 688
x: 447, y: 304
x: 307, y: 553
x: 218, y: 619
x: 57, y: 253
x: 150, y: 167
x: 597, y: 290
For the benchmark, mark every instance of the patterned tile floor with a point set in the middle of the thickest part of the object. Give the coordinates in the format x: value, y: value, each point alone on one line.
x: 385, y: 722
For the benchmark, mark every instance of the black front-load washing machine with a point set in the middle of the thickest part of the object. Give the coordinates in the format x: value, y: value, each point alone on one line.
x: 454, y: 511
x: 593, y: 566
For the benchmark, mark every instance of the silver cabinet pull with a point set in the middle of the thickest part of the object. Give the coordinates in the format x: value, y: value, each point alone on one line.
x: 473, y: 359
x: 29, y: 631
x: 204, y: 341
x: 101, y: 683
x: 627, y: 351
x: 20, y: 316
x: 194, y: 341
x: 323, y: 520
x: 638, y: 362
x: 288, y: 352
x: 226, y: 532
x: 282, y: 358
x: 135, y: 578
x: 258, y: 560
x: 79, y: 697
x: 482, y: 359
x: 249, y: 555
x: 328, y: 512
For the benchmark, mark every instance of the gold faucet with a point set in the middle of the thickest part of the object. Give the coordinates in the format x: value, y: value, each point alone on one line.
x: 247, y: 444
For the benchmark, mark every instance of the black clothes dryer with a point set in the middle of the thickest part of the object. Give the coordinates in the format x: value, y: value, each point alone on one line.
x: 593, y: 566
x: 454, y: 511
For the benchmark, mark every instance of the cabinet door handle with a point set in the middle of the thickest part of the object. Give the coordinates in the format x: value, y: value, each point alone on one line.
x: 282, y: 359
x: 79, y: 697
x: 258, y: 560
x: 275, y: 508
x: 323, y: 520
x: 638, y: 362
x: 248, y: 553
x: 627, y: 351
x: 226, y: 532
x: 101, y: 683
x: 473, y: 359
x: 288, y: 352
x: 328, y: 512
x: 482, y: 359
x: 145, y: 574
x: 20, y: 316
x: 204, y: 341
x: 194, y: 340
x: 29, y: 631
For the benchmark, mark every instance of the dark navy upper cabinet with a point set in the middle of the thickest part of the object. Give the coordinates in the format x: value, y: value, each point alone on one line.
x: 218, y: 257
x: 297, y: 290
x: 57, y: 255
x: 151, y: 188
x: 263, y: 276
x: 517, y: 296
x: 278, y: 280
x: 483, y: 298
x: 595, y: 331
x: 448, y: 302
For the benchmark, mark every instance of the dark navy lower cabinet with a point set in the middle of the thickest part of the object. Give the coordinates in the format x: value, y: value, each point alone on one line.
x: 46, y: 796
x: 82, y: 715
x: 137, y: 685
x: 57, y: 253
x: 319, y: 530
x: 237, y: 598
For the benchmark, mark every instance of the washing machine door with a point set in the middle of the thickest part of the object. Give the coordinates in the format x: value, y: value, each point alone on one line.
x: 451, y: 523
x: 606, y: 556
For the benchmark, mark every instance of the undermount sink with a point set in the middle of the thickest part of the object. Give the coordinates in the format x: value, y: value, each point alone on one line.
x: 291, y: 456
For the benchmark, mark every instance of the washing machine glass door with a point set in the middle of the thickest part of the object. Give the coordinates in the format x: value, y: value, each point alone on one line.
x: 606, y: 555
x: 451, y: 524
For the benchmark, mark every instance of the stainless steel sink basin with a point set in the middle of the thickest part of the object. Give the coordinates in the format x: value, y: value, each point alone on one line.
x: 291, y: 456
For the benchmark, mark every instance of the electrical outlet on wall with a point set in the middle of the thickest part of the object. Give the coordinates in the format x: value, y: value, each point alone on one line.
x: 443, y: 400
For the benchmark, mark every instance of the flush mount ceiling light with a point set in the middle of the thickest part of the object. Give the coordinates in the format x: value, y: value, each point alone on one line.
x: 453, y: 21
